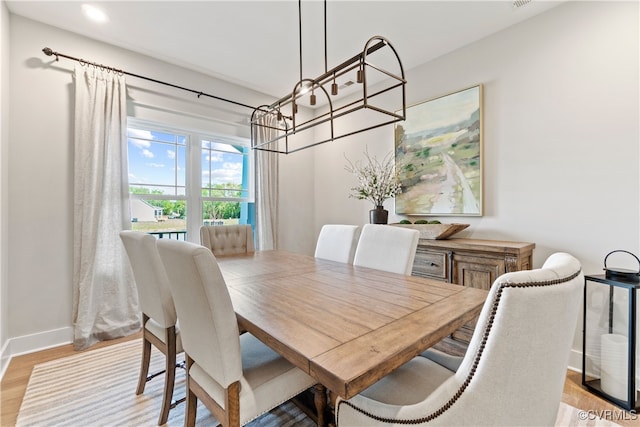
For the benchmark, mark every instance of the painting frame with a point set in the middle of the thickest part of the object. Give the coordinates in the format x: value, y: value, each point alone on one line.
x: 439, y: 156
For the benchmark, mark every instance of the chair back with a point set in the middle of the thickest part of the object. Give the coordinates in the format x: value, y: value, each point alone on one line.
x: 387, y: 248
x: 150, y: 277
x: 337, y: 242
x: 208, y: 322
x: 515, y: 367
x: 227, y: 239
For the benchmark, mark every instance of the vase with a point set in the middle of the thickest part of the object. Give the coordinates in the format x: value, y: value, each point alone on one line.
x: 379, y: 215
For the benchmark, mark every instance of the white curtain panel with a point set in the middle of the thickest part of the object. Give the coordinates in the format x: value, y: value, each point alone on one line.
x: 105, y: 302
x: 266, y: 187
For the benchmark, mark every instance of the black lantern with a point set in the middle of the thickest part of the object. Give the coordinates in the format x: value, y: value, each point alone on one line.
x: 609, y: 334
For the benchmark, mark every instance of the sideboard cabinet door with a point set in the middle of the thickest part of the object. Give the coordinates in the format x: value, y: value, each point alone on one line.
x: 470, y: 262
x: 476, y: 272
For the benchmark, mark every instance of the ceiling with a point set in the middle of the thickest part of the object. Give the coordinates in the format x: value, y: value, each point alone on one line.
x: 255, y: 43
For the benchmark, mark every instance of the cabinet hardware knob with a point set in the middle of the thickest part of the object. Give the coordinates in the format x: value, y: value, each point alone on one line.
x: 433, y: 264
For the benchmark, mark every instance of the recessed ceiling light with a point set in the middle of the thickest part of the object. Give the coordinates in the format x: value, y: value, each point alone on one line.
x: 94, y: 14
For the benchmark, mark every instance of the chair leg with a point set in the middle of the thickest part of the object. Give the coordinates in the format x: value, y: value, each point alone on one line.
x: 146, y: 358
x: 192, y: 400
x: 232, y: 405
x: 170, y: 374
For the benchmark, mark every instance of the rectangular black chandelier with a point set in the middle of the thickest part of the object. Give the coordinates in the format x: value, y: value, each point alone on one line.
x: 281, y: 127
x: 376, y: 98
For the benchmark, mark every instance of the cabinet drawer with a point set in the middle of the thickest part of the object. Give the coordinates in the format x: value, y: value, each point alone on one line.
x: 431, y: 264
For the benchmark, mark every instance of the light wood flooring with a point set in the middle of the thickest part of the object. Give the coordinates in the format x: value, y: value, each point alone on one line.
x: 17, y: 376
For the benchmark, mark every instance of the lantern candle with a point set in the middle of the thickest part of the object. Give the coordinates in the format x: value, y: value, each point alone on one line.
x: 613, y: 369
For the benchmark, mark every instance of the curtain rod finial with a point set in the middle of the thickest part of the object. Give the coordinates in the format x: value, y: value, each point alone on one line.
x: 47, y: 51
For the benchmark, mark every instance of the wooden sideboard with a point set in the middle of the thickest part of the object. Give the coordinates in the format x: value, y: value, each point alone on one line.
x: 470, y: 262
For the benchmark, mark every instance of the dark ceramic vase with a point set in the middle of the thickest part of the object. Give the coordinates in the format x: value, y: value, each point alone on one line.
x: 379, y: 215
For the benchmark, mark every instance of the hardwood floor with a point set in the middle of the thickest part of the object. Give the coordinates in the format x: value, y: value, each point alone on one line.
x: 576, y: 395
x: 17, y: 375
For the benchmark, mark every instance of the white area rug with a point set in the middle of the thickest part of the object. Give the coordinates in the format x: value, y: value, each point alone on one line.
x: 97, y: 388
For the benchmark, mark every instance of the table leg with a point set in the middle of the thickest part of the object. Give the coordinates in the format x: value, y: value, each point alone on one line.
x: 320, y: 400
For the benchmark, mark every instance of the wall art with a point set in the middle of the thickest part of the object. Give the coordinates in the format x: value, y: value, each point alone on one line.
x: 439, y: 156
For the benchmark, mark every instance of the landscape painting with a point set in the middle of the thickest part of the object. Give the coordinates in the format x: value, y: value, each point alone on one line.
x: 439, y: 156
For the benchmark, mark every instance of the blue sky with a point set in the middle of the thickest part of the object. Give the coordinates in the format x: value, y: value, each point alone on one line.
x: 154, y: 157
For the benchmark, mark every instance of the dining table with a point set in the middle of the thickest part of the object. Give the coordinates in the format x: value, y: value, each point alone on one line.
x: 346, y: 326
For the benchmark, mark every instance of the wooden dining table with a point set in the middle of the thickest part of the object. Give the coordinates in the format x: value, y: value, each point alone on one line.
x: 346, y: 326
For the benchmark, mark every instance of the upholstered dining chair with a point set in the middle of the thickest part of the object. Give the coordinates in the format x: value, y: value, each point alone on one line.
x: 236, y: 377
x: 514, y: 369
x: 159, y: 320
x: 388, y: 248
x: 337, y: 242
x: 227, y: 239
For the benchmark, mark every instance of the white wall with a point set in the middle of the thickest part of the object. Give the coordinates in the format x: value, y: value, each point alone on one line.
x: 4, y: 203
x: 40, y: 154
x: 561, y: 135
x: 561, y: 148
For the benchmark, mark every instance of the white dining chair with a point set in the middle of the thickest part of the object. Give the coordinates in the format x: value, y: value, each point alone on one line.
x: 513, y: 372
x: 337, y: 242
x: 159, y: 321
x: 227, y: 239
x: 238, y: 378
x: 388, y: 248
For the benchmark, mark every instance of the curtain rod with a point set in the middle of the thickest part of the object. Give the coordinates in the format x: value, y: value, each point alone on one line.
x: 47, y: 51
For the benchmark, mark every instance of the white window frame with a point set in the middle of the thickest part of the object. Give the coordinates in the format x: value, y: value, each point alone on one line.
x: 193, y: 193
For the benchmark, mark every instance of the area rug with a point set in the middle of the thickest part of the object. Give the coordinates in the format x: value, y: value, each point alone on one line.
x: 97, y: 388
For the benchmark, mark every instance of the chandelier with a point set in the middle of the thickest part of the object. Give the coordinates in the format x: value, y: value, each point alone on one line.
x: 371, y: 96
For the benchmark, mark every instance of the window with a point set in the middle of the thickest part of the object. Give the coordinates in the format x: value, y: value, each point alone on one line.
x: 180, y: 179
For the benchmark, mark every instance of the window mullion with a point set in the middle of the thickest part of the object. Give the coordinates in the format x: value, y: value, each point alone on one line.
x: 194, y: 197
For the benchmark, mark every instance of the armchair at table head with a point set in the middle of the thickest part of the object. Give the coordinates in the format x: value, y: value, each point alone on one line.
x: 388, y: 248
x: 159, y: 318
x: 337, y: 242
x: 238, y: 378
x: 227, y: 239
x: 513, y: 372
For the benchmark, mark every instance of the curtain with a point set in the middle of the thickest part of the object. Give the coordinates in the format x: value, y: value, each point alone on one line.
x: 105, y: 301
x: 266, y: 185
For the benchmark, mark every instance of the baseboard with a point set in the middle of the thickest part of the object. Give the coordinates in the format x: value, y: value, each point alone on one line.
x: 575, y: 364
x: 575, y: 360
x: 36, y: 342
x: 5, y: 358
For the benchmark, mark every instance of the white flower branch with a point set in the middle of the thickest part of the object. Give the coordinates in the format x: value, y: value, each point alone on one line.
x: 377, y: 180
